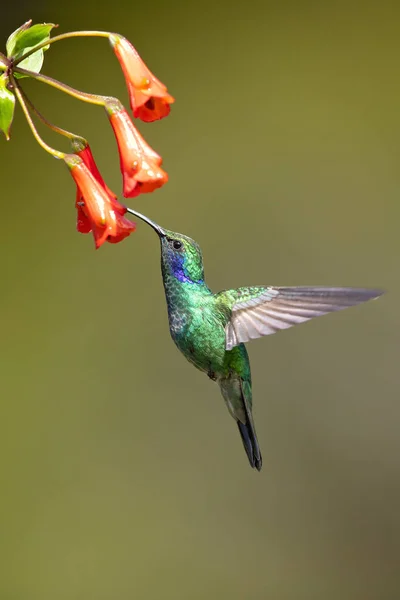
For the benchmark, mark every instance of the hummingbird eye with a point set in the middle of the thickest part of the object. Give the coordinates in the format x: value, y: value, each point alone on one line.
x: 177, y: 245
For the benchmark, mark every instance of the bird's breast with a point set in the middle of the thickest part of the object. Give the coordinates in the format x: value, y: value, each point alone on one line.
x: 200, y: 336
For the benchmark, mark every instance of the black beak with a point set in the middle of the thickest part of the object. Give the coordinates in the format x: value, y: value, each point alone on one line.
x: 159, y: 230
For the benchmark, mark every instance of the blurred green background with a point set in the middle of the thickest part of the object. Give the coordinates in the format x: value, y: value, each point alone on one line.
x: 122, y: 473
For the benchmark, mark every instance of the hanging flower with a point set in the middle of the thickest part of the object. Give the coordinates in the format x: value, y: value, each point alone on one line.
x: 97, y: 211
x: 82, y: 149
x: 140, y: 164
x: 149, y: 97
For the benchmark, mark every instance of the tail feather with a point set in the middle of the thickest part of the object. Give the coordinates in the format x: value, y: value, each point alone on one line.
x: 250, y: 443
x: 236, y: 391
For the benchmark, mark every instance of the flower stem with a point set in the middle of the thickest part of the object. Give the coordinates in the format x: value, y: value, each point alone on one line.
x: 4, y: 62
x: 63, y: 87
x: 71, y: 136
x: 42, y: 143
x: 64, y: 36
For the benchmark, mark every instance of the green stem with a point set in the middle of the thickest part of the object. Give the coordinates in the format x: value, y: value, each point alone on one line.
x: 68, y: 134
x: 64, y: 36
x: 40, y: 141
x: 63, y: 87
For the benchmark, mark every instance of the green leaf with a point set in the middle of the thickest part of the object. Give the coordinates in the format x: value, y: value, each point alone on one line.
x: 25, y: 38
x: 12, y: 38
x: 7, y: 104
x: 34, y: 63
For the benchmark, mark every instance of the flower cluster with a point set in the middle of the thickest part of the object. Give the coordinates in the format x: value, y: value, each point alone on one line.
x: 98, y: 209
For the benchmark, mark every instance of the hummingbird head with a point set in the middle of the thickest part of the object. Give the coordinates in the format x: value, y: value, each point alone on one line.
x: 180, y: 255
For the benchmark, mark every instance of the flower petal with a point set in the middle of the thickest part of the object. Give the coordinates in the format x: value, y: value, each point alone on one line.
x: 97, y: 210
x: 140, y: 164
x: 149, y: 98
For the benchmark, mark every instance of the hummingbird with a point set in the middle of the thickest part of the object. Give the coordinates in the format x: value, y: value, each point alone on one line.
x: 211, y: 329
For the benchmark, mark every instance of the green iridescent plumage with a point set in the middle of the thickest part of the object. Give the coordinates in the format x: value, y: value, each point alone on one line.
x: 210, y: 329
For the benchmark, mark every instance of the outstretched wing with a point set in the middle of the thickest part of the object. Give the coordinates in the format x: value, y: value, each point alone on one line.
x: 257, y: 312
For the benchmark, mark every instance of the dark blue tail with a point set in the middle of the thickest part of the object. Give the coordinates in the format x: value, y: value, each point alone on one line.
x: 250, y: 443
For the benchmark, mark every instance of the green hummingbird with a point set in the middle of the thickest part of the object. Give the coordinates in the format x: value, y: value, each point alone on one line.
x: 211, y: 329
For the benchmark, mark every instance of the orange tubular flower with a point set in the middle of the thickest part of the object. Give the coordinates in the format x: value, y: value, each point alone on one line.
x: 149, y: 98
x: 140, y: 165
x: 84, y: 152
x: 97, y: 211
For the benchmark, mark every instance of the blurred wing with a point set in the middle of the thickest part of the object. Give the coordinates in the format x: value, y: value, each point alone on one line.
x: 279, y: 308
